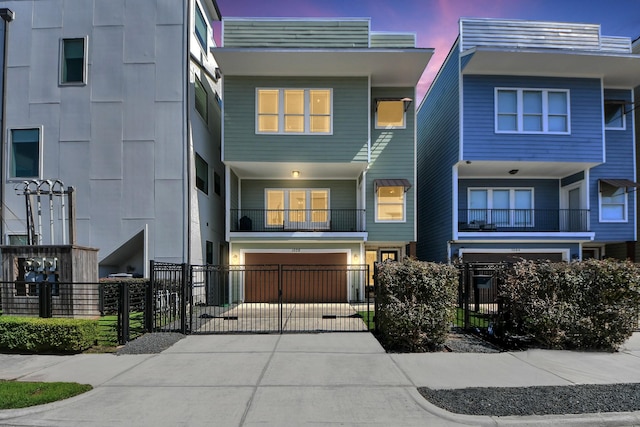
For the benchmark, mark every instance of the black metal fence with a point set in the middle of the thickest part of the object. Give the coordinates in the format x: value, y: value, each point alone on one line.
x: 169, y: 297
x: 528, y: 220
x: 479, y: 305
x: 278, y: 298
x: 119, y: 306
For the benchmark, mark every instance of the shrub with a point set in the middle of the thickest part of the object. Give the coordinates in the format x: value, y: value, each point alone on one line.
x: 54, y: 335
x: 591, y: 304
x: 416, y: 304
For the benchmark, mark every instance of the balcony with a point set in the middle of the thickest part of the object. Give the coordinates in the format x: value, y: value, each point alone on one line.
x: 523, y: 220
x: 290, y: 220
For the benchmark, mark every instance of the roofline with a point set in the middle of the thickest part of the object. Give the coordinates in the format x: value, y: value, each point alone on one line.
x: 214, y: 3
x: 294, y: 19
x: 554, y: 51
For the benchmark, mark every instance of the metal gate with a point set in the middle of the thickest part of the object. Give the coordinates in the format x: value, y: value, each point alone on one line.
x: 479, y: 303
x: 272, y: 298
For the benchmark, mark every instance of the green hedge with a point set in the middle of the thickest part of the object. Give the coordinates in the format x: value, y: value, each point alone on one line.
x: 54, y: 335
x: 416, y: 304
x: 590, y: 304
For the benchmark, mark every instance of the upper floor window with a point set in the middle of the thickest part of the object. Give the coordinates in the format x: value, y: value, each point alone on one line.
x: 202, y: 174
x: 294, y: 208
x: 73, y: 61
x: 201, y: 28
x: 613, y: 203
x: 294, y: 111
x: 201, y: 98
x: 614, y: 117
x: 504, y: 207
x: 25, y: 153
x: 532, y: 111
x: 390, y: 114
x: 390, y: 204
x: 216, y: 183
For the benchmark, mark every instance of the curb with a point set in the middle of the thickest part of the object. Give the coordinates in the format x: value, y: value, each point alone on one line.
x: 6, y: 414
x: 592, y: 419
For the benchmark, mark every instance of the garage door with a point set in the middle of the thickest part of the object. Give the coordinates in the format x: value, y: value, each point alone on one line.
x: 306, y: 278
x: 510, y: 256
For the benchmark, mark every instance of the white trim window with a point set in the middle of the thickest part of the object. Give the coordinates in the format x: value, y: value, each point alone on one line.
x: 614, y: 117
x: 501, y: 207
x: 73, y: 61
x: 613, y: 203
x: 391, y: 204
x: 201, y: 29
x: 532, y: 111
x: 294, y: 111
x: 297, y: 208
x: 391, y: 114
x: 25, y: 159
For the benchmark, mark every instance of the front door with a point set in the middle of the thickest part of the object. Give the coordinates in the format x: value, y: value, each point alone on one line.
x: 574, y: 210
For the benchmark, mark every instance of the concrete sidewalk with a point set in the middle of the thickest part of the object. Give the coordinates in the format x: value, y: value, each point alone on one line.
x: 282, y: 380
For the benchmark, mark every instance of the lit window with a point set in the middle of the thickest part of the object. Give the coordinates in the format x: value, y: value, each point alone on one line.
x: 532, y: 111
x: 25, y: 153
x: 73, y: 64
x: 202, y: 174
x: 201, y: 99
x: 295, y: 111
x: 201, y: 28
x: 298, y: 208
x: 613, y: 203
x: 390, y: 204
x: 390, y: 114
x: 614, y: 117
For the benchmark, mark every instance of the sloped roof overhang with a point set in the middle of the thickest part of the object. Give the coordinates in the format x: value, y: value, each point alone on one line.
x: 387, y: 67
x: 620, y: 70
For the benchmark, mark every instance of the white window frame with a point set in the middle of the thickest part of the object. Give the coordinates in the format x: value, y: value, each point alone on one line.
x: 404, y: 116
x: 85, y: 61
x: 625, y: 210
x: 11, y: 178
x: 281, y: 115
x: 520, y: 110
x: 287, y: 223
x: 404, y: 207
x: 197, y: 9
x: 624, y: 119
x: 512, y: 201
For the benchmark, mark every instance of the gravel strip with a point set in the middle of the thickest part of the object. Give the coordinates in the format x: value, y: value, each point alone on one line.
x: 507, y: 401
x: 461, y: 342
x: 151, y: 343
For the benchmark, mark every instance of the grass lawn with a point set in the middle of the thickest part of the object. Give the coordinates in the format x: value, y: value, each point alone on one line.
x: 367, y: 320
x: 108, y: 332
x: 476, y: 320
x: 17, y: 394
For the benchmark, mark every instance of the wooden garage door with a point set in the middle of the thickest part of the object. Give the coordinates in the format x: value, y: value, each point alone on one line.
x: 306, y: 278
x: 510, y: 256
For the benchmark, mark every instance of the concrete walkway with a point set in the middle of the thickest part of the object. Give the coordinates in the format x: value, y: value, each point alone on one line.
x: 291, y: 380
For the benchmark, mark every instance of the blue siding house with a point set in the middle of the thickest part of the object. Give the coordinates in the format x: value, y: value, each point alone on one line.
x: 526, y: 145
x: 319, y: 137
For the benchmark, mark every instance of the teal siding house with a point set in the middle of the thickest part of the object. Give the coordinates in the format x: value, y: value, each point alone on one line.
x: 526, y: 146
x: 319, y: 142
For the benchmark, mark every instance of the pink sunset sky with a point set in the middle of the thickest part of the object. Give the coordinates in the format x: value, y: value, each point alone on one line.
x: 435, y: 22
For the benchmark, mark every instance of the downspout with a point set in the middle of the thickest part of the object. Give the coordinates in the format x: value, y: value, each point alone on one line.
x: 187, y: 124
x: 8, y: 16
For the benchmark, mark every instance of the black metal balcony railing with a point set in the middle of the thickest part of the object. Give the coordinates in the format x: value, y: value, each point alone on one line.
x: 545, y: 220
x: 333, y: 220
